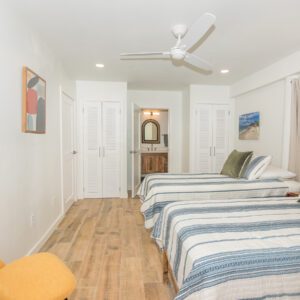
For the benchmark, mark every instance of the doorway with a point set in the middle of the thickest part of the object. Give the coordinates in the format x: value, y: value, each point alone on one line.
x: 150, y: 143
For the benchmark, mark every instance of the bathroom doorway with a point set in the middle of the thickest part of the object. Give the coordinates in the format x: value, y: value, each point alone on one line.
x: 154, y: 142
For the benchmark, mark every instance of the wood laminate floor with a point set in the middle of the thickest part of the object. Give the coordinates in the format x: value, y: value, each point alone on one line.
x: 105, y: 244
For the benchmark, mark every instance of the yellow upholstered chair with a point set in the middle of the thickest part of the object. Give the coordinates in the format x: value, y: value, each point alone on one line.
x: 41, y: 276
x: 2, y: 264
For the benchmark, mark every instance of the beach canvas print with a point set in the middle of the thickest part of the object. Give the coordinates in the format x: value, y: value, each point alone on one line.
x: 249, y: 126
x: 34, y: 102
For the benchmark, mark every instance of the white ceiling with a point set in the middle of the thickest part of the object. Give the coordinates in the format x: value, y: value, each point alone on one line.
x: 248, y: 35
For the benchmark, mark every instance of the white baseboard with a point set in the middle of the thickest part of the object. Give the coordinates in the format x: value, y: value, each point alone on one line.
x: 124, y: 195
x: 45, y: 236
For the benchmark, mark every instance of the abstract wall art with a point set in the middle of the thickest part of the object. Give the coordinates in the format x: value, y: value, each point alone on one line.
x: 249, y: 126
x: 34, y: 102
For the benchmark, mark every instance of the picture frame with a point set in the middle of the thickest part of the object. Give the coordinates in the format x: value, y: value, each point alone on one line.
x: 249, y: 126
x: 33, y: 102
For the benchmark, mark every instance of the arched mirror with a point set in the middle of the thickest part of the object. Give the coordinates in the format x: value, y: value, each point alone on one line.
x: 150, y: 132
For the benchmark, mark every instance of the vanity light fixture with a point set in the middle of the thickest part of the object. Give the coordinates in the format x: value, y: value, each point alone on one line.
x: 148, y: 113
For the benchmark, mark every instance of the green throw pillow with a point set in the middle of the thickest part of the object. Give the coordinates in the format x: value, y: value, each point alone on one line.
x: 236, y: 163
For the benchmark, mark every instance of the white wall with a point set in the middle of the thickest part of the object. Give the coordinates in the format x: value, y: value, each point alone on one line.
x: 185, y: 129
x: 282, y: 69
x: 209, y: 94
x: 269, y: 101
x: 96, y: 91
x: 269, y: 90
x: 30, y: 163
x: 171, y: 100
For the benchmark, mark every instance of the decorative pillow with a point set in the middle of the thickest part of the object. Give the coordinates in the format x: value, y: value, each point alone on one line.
x: 235, y: 164
x: 275, y: 172
x: 256, y: 167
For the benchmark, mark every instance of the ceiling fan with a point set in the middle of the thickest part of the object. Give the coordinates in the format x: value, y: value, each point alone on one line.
x: 186, y: 39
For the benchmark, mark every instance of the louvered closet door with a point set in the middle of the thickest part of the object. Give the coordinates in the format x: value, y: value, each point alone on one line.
x: 111, y: 149
x: 203, y: 139
x: 220, y: 136
x: 92, y: 143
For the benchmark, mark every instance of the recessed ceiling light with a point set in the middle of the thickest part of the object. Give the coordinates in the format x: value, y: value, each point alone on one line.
x: 224, y: 71
x: 100, y: 65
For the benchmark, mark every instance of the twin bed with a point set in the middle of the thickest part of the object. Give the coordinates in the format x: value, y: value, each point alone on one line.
x: 157, y: 191
x: 229, y: 249
x: 225, y: 238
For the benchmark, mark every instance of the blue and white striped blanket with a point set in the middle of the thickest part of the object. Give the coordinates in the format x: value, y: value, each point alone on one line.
x: 157, y: 179
x: 233, y: 249
x: 160, y: 192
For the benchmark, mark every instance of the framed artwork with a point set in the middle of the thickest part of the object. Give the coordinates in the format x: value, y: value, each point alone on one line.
x: 34, y: 102
x: 249, y: 126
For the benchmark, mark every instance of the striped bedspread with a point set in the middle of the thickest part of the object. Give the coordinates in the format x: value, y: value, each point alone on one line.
x: 160, y: 194
x: 233, y: 249
x: 157, y: 179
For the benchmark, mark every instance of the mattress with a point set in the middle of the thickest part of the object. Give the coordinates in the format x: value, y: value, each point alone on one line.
x: 293, y: 186
x: 233, y: 249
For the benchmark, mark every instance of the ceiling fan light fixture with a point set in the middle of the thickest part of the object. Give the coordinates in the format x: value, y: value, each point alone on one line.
x: 177, y: 54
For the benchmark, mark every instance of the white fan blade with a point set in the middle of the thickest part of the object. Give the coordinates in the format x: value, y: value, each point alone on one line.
x: 145, y: 53
x: 197, y: 62
x: 198, y: 30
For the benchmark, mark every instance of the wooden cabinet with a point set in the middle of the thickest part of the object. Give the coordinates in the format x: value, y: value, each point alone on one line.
x: 154, y: 163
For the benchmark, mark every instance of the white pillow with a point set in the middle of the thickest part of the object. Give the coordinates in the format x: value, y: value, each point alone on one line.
x: 256, y: 167
x: 275, y: 172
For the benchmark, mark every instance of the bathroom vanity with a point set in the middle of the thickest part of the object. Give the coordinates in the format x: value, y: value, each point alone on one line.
x: 154, y: 162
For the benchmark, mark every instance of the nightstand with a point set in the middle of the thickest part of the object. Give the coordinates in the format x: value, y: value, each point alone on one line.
x: 293, y: 194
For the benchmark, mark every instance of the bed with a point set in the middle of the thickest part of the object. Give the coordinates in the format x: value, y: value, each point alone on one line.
x: 232, y: 249
x: 158, y: 191
x: 170, y: 179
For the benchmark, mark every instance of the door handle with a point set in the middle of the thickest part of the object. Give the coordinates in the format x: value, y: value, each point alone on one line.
x: 134, y: 151
x: 74, y: 152
x: 214, y: 151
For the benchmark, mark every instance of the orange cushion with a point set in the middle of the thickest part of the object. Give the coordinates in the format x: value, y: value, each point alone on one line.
x: 2, y: 264
x: 36, y: 277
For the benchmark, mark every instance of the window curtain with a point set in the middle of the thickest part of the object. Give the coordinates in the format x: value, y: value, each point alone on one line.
x: 294, y: 155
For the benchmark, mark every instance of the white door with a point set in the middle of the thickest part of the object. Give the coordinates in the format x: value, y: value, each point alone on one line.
x: 111, y: 149
x: 220, y: 136
x: 203, y: 139
x: 135, y: 149
x: 92, y: 151
x: 102, y: 150
x: 68, y: 150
